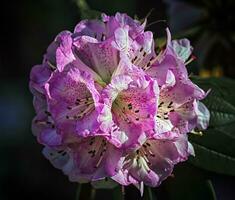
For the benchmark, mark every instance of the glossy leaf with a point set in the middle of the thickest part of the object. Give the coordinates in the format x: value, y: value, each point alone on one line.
x: 215, y: 150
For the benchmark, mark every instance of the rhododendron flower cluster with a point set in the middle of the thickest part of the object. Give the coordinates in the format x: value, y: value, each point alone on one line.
x: 109, y: 107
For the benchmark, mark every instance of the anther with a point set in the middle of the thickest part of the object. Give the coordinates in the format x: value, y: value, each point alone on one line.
x: 134, y: 59
x: 47, y: 113
x: 170, y: 104
x: 69, y: 108
x: 102, y: 37
x: 148, y: 144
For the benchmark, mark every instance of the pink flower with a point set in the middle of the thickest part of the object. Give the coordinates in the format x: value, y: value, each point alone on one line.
x: 108, y: 106
x: 153, y: 161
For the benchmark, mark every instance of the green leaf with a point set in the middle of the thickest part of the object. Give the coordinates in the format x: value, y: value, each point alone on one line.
x: 215, y: 150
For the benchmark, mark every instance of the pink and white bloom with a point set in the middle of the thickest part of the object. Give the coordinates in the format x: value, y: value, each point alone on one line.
x: 108, y: 106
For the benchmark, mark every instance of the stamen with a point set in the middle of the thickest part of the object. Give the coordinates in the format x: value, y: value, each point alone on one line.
x: 134, y: 59
x: 102, y: 37
x: 92, y: 152
x: 192, y: 58
x: 92, y: 141
x: 45, y: 123
x: 101, y: 158
x: 170, y: 104
x: 82, y: 113
x: 51, y: 66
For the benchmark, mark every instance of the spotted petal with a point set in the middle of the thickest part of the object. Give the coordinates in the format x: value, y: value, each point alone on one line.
x: 133, y: 105
x: 153, y: 162
x: 99, y: 56
x: 73, y: 101
x: 96, y: 158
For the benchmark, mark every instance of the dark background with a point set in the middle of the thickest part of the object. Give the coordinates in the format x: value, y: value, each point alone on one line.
x: 29, y: 26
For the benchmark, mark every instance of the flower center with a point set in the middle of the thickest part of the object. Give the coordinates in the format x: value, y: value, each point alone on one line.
x: 127, y: 111
x: 80, y: 108
x: 96, y: 149
x: 141, y: 158
x: 164, y: 108
x: 143, y: 60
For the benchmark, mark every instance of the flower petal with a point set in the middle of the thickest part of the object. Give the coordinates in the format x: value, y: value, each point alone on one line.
x: 92, y: 28
x: 100, y: 56
x: 96, y: 158
x: 182, y: 48
x: 64, y: 54
x: 133, y: 104
x: 203, y: 116
x: 73, y: 101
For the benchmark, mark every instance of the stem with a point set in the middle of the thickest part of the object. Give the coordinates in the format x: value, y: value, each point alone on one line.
x: 78, y: 191
x: 150, y: 193
x: 211, y: 188
x: 93, y: 193
x: 123, y: 192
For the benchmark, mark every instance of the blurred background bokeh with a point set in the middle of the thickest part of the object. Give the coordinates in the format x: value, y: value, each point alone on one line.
x: 28, y: 27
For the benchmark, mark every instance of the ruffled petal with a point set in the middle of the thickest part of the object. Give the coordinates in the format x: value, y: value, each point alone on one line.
x: 182, y: 48
x: 50, y: 137
x: 92, y: 28
x: 122, y: 39
x: 99, y: 56
x: 64, y: 53
x: 153, y: 161
x: 73, y: 101
x: 122, y: 20
x: 167, y: 60
x: 203, y: 116
x: 96, y: 158
x: 133, y: 104
x: 39, y: 75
